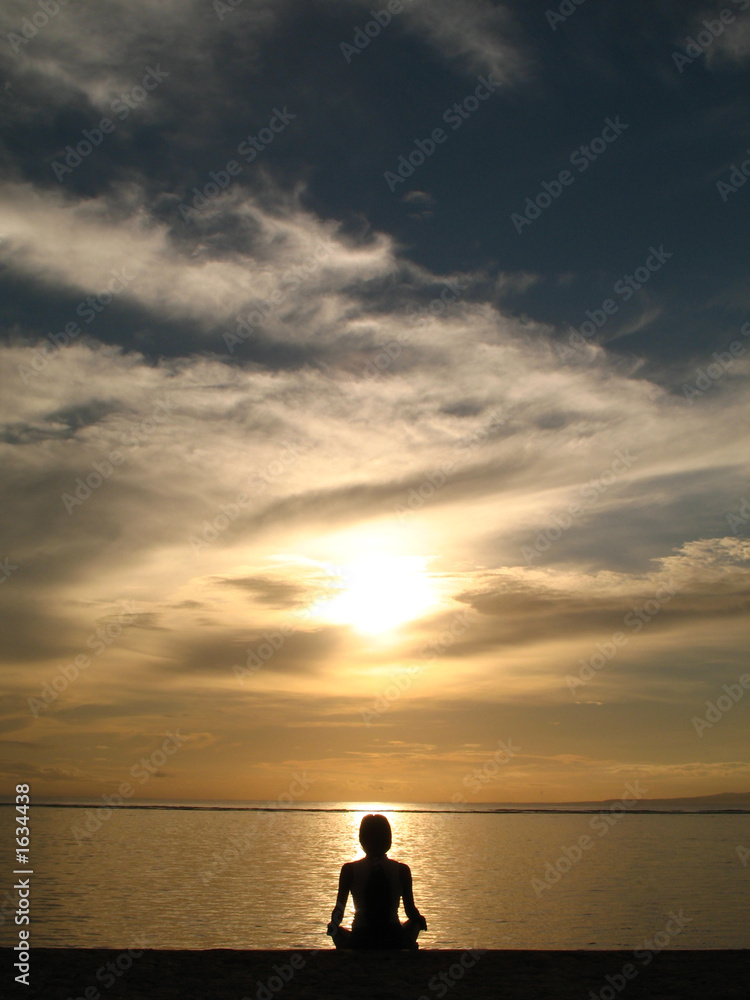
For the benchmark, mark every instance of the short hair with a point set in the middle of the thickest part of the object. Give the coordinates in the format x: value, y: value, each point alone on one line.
x: 375, y: 834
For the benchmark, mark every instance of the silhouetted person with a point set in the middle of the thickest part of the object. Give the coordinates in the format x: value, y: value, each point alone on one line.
x: 377, y: 884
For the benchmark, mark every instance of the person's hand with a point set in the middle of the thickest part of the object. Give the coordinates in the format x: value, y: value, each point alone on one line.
x: 332, y: 928
x: 422, y: 923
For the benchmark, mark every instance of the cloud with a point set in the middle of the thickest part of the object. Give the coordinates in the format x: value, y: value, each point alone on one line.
x: 283, y: 257
x: 31, y: 771
x: 704, y: 580
x: 293, y: 376
x: 331, y: 446
x: 732, y: 46
x: 475, y: 36
x: 274, y: 593
x: 96, y: 52
x: 418, y: 198
x: 298, y: 653
x: 476, y: 33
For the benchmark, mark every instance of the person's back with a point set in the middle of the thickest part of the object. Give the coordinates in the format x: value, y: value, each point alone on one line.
x: 376, y: 890
x: 377, y: 884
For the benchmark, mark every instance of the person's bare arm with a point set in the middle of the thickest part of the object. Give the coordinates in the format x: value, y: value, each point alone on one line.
x: 407, y: 893
x: 345, y: 885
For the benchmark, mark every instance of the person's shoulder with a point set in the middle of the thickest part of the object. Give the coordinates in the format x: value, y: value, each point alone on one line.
x: 403, y: 868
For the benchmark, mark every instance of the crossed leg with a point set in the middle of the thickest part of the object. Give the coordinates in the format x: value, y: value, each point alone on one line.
x: 342, y: 938
x: 409, y: 933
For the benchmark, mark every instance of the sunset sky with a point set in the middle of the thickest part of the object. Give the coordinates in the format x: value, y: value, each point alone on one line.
x: 375, y: 390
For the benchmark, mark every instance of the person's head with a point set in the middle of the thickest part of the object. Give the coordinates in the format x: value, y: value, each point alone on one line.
x: 375, y: 834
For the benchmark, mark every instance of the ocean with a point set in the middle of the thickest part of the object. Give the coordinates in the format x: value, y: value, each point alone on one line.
x: 250, y: 878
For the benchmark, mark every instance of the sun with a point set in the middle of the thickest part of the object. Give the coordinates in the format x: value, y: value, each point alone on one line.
x: 381, y: 592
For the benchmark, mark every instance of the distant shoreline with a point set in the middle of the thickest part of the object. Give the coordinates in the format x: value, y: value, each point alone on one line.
x: 505, y: 810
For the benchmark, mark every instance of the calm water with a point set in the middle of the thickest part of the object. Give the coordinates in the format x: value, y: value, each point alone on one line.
x: 238, y: 879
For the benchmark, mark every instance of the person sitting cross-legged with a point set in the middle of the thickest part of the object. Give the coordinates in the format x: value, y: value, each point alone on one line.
x: 377, y: 885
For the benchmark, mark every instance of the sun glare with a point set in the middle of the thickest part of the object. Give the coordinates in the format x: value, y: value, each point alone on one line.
x: 381, y: 592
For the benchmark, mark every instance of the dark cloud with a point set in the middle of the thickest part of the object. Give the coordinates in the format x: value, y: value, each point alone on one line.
x: 298, y: 653
x: 274, y: 593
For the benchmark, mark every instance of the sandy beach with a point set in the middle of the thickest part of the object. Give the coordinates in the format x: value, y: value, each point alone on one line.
x: 69, y: 974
